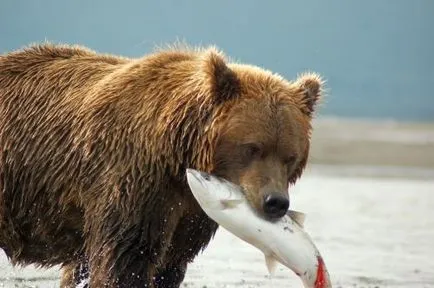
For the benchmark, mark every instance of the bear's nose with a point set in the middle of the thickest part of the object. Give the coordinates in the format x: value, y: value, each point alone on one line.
x: 275, y: 205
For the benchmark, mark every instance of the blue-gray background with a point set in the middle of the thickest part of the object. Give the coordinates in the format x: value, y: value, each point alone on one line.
x: 376, y: 55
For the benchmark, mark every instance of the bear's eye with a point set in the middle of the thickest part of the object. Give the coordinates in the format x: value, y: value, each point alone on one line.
x: 290, y: 160
x: 252, y: 150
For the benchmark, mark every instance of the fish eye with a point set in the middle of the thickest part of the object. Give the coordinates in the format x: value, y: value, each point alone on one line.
x: 205, y: 176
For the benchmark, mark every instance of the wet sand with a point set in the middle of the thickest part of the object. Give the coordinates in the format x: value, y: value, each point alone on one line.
x: 368, y: 194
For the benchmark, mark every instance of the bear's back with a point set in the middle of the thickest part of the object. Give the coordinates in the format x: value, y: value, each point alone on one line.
x: 39, y: 55
x: 43, y: 76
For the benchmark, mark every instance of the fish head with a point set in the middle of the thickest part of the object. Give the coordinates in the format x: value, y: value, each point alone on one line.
x: 211, y: 191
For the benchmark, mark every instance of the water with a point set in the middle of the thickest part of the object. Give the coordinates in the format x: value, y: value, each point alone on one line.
x: 375, y: 55
x: 372, y: 232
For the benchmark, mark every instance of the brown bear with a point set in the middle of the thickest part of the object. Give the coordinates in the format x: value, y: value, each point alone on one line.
x: 94, y: 150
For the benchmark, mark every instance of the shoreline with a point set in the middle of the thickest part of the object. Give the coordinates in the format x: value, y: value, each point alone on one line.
x: 367, y: 171
x: 359, y: 143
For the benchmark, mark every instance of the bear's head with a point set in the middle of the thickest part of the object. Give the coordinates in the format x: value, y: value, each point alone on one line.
x: 261, y: 131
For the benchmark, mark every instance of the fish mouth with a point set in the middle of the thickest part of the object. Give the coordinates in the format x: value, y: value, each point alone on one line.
x: 194, y: 173
x: 198, y: 176
x: 201, y: 176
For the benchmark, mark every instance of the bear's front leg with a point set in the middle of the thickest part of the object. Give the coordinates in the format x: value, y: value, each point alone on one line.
x: 78, y: 275
x: 193, y: 233
x: 172, y: 276
x: 131, y: 269
x: 125, y: 248
x: 124, y: 257
x: 75, y: 274
x: 67, y: 276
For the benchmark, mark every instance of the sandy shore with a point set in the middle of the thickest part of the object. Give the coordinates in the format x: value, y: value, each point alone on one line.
x: 368, y: 143
x: 372, y: 232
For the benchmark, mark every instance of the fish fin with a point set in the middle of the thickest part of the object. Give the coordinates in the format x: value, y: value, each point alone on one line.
x: 231, y: 203
x: 271, y: 264
x: 297, y: 216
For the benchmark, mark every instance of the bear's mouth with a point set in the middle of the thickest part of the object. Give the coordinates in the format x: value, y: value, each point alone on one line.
x: 256, y: 207
x: 260, y: 209
x: 243, y: 190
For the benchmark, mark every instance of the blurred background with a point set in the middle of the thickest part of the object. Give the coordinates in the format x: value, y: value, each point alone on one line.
x: 373, y: 142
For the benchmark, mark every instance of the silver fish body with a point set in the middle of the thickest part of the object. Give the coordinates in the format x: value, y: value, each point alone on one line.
x: 284, y: 240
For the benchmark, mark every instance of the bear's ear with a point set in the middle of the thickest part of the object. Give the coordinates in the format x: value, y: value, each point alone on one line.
x: 311, y: 87
x: 223, y: 82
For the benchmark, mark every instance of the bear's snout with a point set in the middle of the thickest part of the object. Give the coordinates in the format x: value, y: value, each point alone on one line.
x: 275, y: 205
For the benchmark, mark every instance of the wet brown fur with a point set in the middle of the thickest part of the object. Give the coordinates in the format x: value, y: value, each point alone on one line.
x: 94, y: 150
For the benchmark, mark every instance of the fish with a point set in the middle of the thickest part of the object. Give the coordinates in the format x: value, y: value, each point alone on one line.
x: 282, y: 241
